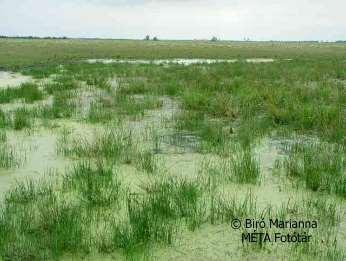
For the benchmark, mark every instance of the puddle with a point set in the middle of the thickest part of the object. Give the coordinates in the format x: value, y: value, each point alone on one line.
x: 9, y: 79
x: 154, y: 118
x: 178, y: 61
x: 162, y: 62
x: 259, y: 60
x: 40, y: 154
x: 84, y: 98
x: 19, y: 104
x: 186, y: 141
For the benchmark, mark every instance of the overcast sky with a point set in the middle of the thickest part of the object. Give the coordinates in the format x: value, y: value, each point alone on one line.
x: 177, y: 19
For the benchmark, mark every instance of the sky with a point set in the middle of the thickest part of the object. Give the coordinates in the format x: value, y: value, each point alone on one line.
x: 176, y: 19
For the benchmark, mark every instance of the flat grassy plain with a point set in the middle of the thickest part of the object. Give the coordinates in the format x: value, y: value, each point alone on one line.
x: 133, y: 161
x: 19, y: 53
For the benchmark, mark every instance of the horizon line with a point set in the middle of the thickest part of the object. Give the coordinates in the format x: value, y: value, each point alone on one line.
x: 158, y: 39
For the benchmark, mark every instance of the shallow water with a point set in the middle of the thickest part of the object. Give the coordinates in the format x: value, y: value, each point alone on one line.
x: 38, y: 156
x: 179, y: 158
x: 10, y: 79
x: 20, y: 104
x: 180, y: 61
x: 260, y: 60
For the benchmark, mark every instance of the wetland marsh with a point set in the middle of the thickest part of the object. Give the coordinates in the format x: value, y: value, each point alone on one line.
x: 106, y: 158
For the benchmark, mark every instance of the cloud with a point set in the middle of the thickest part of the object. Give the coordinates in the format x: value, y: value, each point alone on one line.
x: 176, y: 19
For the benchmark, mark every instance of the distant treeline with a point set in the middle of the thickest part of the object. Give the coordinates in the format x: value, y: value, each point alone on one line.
x: 33, y: 37
x: 156, y: 39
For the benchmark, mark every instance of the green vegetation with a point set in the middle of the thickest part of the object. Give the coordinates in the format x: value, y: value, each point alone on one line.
x: 320, y: 167
x: 7, y: 157
x: 100, y: 113
x: 111, y: 145
x: 62, y: 107
x: 97, y: 187
x: 136, y: 106
x: 46, y: 53
x: 61, y: 83
x: 3, y: 119
x: 153, y: 218
x: 21, y: 119
x: 27, y: 91
x: 162, y: 158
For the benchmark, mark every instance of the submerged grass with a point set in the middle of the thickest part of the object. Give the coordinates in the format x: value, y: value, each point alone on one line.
x: 238, y: 165
x: 225, y: 111
x: 64, y: 218
x: 53, y: 229
x: 214, y: 134
x: 29, y: 92
x: 63, y: 106
x: 22, y: 119
x: 100, y: 113
x: 98, y: 187
x: 62, y: 83
x: 136, y: 106
x: 147, y: 161
x: 112, y: 145
x: 321, y: 167
x: 4, y: 121
x: 154, y: 218
x: 245, y: 168
x: 8, y: 158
